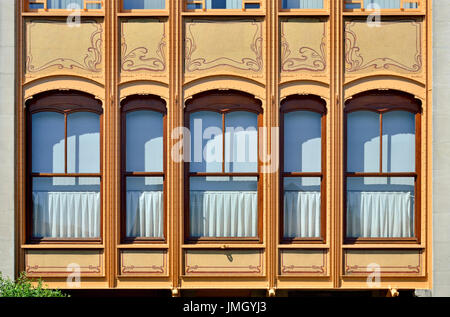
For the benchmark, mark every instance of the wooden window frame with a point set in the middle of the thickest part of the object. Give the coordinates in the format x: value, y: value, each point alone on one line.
x: 242, y: 11
x: 307, y: 103
x: 324, y: 11
x: 46, y: 11
x: 66, y: 103
x: 380, y: 102
x: 223, y: 102
x: 131, y: 104
x: 144, y: 12
x: 399, y: 11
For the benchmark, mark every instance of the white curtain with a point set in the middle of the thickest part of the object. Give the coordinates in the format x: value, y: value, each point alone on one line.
x: 145, y: 214
x: 302, y: 4
x: 224, y: 214
x: 380, y: 214
x: 301, y: 214
x: 66, y: 214
x: 144, y: 4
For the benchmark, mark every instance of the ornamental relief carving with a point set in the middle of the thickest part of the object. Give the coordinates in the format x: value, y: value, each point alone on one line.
x: 143, y: 53
x: 303, y: 45
x: 401, y: 52
x: 232, y: 44
x: 77, y: 48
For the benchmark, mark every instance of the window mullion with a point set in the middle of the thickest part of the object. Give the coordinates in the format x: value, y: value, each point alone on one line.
x: 223, y: 142
x: 381, y: 142
x: 65, y: 142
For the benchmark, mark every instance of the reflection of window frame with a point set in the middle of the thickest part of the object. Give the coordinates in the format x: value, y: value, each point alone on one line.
x: 66, y: 103
x: 307, y: 103
x: 47, y: 10
x: 222, y: 102
x: 382, y: 102
x: 131, y: 104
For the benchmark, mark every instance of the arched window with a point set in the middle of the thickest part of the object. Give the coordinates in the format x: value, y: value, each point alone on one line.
x: 222, y: 177
x: 382, y: 166
x: 302, y: 121
x: 64, y: 165
x: 143, y: 166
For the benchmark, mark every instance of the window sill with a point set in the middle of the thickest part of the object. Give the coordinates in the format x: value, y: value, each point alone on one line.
x: 62, y: 246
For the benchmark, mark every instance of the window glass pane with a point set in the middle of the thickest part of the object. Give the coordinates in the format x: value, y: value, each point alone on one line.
x: 399, y: 142
x: 241, y: 142
x: 144, y: 4
x: 302, y: 142
x: 302, y: 4
x: 145, y: 207
x: 252, y: 6
x: 223, y: 207
x: 34, y: 6
x: 206, y: 141
x: 219, y: 4
x: 380, y: 207
x: 144, y: 141
x: 388, y: 4
x: 83, y: 143
x: 66, y: 207
x: 48, y: 142
x: 363, y: 142
x: 224, y: 4
x: 301, y: 207
x: 71, y: 4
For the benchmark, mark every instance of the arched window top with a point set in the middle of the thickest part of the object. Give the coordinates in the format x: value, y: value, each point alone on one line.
x: 64, y: 101
x: 303, y: 102
x: 383, y: 101
x: 224, y: 101
x: 143, y: 102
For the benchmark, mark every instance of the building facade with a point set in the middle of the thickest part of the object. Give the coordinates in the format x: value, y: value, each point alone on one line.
x: 266, y: 146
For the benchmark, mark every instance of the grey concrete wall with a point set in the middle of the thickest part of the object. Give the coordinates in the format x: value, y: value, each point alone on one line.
x: 7, y: 100
x: 441, y: 148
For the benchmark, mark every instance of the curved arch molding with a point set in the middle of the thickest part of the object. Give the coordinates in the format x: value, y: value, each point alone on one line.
x: 225, y: 82
x: 64, y: 83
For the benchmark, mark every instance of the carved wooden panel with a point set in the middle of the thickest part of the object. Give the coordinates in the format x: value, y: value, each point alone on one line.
x: 224, y: 47
x: 223, y: 262
x: 143, y: 48
x: 64, y: 262
x: 143, y: 262
x: 303, y: 47
x: 394, y: 47
x: 303, y: 262
x: 387, y: 262
x: 54, y: 47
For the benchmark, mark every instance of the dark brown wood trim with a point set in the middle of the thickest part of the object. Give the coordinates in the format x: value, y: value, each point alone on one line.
x: 303, y: 102
x: 143, y: 102
x: 383, y: 101
x: 64, y: 101
x: 224, y: 101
